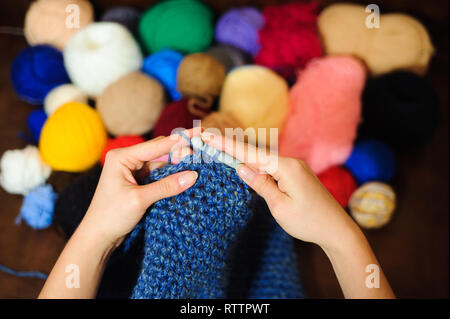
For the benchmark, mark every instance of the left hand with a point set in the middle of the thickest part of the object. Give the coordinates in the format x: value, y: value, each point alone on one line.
x: 119, y: 201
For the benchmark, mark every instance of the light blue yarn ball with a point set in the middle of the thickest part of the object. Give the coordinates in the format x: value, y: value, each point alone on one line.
x: 38, y: 206
x: 163, y: 66
x: 371, y: 160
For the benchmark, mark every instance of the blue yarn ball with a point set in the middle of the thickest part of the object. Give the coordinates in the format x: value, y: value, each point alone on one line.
x: 37, y: 70
x: 371, y: 160
x: 36, y: 121
x: 38, y: 206
x: 163, y: 66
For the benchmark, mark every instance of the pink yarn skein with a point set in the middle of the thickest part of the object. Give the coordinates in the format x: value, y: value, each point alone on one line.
x: 324, y: 112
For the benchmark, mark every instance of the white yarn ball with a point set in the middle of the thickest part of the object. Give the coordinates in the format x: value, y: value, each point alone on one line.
x: 23, y: 170
x: 100, y: 54
x: 61, y: 95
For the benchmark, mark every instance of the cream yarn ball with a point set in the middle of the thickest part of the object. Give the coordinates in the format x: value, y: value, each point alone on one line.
x: 61, y: 95
x: 100, y: 54
x: 54, y: 22
x: 132, y: 104
x: 22, y: 170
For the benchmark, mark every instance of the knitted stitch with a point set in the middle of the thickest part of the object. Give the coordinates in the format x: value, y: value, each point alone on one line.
x: 187, y: 237
x: 264, y: 265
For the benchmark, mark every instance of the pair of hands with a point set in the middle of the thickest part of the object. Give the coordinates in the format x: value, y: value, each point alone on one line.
x: 296, y: 198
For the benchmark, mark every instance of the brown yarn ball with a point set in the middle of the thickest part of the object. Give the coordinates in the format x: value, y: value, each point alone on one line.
x: 220, y: 121
x: 46, y: 21
x: 131, y: 105
x: 200, y: 74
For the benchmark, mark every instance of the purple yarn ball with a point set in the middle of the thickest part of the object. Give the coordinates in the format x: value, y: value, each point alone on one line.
x: 240, y: 27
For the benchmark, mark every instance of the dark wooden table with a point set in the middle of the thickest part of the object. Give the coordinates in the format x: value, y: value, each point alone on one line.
x: 413, y: 249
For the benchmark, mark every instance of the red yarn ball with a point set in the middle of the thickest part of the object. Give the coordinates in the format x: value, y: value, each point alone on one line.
x: 340, y: 183
x: 289, y: 37
x: 180, y: 114
x: 118, y: 142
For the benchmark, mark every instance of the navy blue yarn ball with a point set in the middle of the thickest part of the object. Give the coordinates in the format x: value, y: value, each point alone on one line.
x: 37, y: 70
x: 371, y: 160
x: 36, y: 121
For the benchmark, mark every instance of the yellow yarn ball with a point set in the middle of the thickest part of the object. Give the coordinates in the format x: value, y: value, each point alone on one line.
x: 73, y: 138
x: 256, y: 97
x: 46, y: 21
x: 372, y: 204
x: 400, y: 42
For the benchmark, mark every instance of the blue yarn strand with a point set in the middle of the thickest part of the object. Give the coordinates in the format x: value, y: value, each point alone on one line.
x: 23, y: 274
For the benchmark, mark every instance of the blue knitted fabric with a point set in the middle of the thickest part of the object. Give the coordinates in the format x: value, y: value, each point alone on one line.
x: 187, y: 237
x: 264, y: 265
x: 207, y: 243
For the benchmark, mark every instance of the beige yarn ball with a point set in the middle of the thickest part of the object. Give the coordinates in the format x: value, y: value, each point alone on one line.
x: 372, y: 204
x: 400, y: 43
x: 256, y: 97
x: 200, y: 74
x: 61, y: 95
x: 131, y: 105
x: 55, y: 21
x: 220, y: 122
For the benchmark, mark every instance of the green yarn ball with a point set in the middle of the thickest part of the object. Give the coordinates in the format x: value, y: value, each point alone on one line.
x: 182, y: 25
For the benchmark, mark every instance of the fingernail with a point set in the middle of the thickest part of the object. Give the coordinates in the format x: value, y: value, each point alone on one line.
x: 187, y: 179
x: 246, y: 173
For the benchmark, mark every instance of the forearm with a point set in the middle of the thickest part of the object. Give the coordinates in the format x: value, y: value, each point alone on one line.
x: 357, y: 268
x: 79, y: 268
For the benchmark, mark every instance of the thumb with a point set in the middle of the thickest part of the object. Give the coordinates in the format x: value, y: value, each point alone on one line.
x: 167, y: 187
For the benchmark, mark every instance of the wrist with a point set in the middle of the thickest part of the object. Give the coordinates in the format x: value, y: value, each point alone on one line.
x: 98, y: 241
x: 348, y: 240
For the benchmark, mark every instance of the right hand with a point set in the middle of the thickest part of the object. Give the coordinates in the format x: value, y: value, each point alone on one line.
x: 297, y: 200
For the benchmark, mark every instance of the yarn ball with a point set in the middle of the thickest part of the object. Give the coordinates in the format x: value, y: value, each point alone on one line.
x: 218, y: 122
x: 257, y: 98
x: 131, y: 105
x: 54, y: 22
x: 371, y: 160
x: 401, y: 109
x: 36, y: 121
x: 289, y: 37
x: 401, y: 42
x: 163, y: 66
x: 38, y: 206
x: 61, y: 95
x: 125, y: 15
x: 73, y: 138
x: 372, y: 205
x: 201, y: 75
x: 74, y: 200
x: 100, y: 54
x: 22, y: 170
x: 324, y: 112
x: 229, y: 56
x: 36, y: 71
x: 175, y: 115
x: 181, y: 25
x: 339, y: 182
x: 119, y: 142
x: 239, y: 27
x: 60, y: 180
